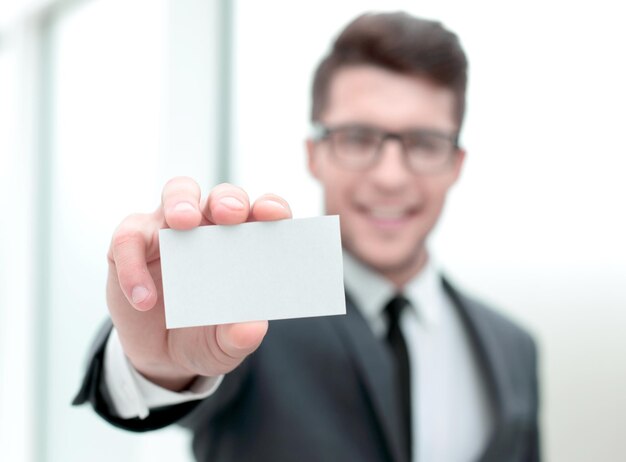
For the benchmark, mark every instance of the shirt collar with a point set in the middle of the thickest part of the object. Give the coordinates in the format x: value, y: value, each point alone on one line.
x: 371, y: 291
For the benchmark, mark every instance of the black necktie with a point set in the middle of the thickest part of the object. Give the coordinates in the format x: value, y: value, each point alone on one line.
x: 398, y: 346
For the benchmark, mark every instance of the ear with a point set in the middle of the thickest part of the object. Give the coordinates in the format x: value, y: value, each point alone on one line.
x: 312, y: 158
x: 459, y: 161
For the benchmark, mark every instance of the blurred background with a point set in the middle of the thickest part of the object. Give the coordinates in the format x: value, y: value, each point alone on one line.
x: 102, y: 100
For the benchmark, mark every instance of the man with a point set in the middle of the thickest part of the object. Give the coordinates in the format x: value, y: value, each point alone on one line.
x: 414, y: 371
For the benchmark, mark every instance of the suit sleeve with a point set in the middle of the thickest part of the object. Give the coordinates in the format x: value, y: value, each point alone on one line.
x: 534, y: 434
x: 94, y: 391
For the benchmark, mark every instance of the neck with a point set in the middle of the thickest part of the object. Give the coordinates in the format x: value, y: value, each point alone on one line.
x: 400, y: 275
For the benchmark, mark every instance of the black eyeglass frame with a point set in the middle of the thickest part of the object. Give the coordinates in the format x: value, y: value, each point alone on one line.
x: 321, y: 132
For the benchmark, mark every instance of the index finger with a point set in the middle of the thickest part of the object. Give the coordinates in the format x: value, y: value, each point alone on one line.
x: 180, y: 202
x: 133, y: 241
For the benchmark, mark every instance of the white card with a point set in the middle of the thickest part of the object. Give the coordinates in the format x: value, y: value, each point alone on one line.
x: 253, y: 271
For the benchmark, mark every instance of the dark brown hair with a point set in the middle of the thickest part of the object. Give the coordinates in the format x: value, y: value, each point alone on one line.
x: 397, y: 42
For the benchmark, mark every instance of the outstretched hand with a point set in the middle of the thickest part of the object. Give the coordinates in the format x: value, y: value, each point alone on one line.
x: 173, y: 358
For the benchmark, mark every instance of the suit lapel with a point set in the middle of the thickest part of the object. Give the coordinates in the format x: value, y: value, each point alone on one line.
x: 374, y: 365
x: 487, y: 350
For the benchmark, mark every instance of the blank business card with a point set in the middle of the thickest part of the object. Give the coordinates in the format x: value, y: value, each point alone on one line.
x: 252, y: 271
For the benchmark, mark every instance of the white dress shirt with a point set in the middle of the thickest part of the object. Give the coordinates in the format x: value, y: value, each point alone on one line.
x: 133, y: 395
x: 451, y: 412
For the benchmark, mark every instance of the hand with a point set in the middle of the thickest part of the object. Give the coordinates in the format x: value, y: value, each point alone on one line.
x: 173, y: 358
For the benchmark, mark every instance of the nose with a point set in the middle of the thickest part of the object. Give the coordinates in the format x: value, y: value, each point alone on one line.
x: 391, y: 171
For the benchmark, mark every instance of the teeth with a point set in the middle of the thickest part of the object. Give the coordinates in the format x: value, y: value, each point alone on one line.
x: 388, y: 213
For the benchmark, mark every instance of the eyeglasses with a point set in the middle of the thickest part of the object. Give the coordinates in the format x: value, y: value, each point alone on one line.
x: 358, y: 147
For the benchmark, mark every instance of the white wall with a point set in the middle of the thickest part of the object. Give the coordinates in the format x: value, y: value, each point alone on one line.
x: 105, y: 89
x: 100, y: 102
x: 132, y: 103
x: 537, y: 223
x: 17, y: 219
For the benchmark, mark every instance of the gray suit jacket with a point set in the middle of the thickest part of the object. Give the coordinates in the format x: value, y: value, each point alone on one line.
x: 321, y: 389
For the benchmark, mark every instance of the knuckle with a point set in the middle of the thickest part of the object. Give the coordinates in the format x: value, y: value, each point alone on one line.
x: 126, y: 248
x: 180, y: 185
x: 224, y: 189
x: 178, y: 180
x: 127, y: 231
x: 124, y: 237
x: 129, y: 272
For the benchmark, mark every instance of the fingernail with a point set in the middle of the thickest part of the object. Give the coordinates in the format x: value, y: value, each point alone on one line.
x: 232, y: 203
x: 184, y: 207
x: 139, y: 294
x: 274, y: 204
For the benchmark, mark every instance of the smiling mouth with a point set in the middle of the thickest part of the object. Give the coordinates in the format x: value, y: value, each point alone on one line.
x: 388, y: 217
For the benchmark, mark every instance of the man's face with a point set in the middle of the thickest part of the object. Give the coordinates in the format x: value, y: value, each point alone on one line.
x: 386, y: 210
